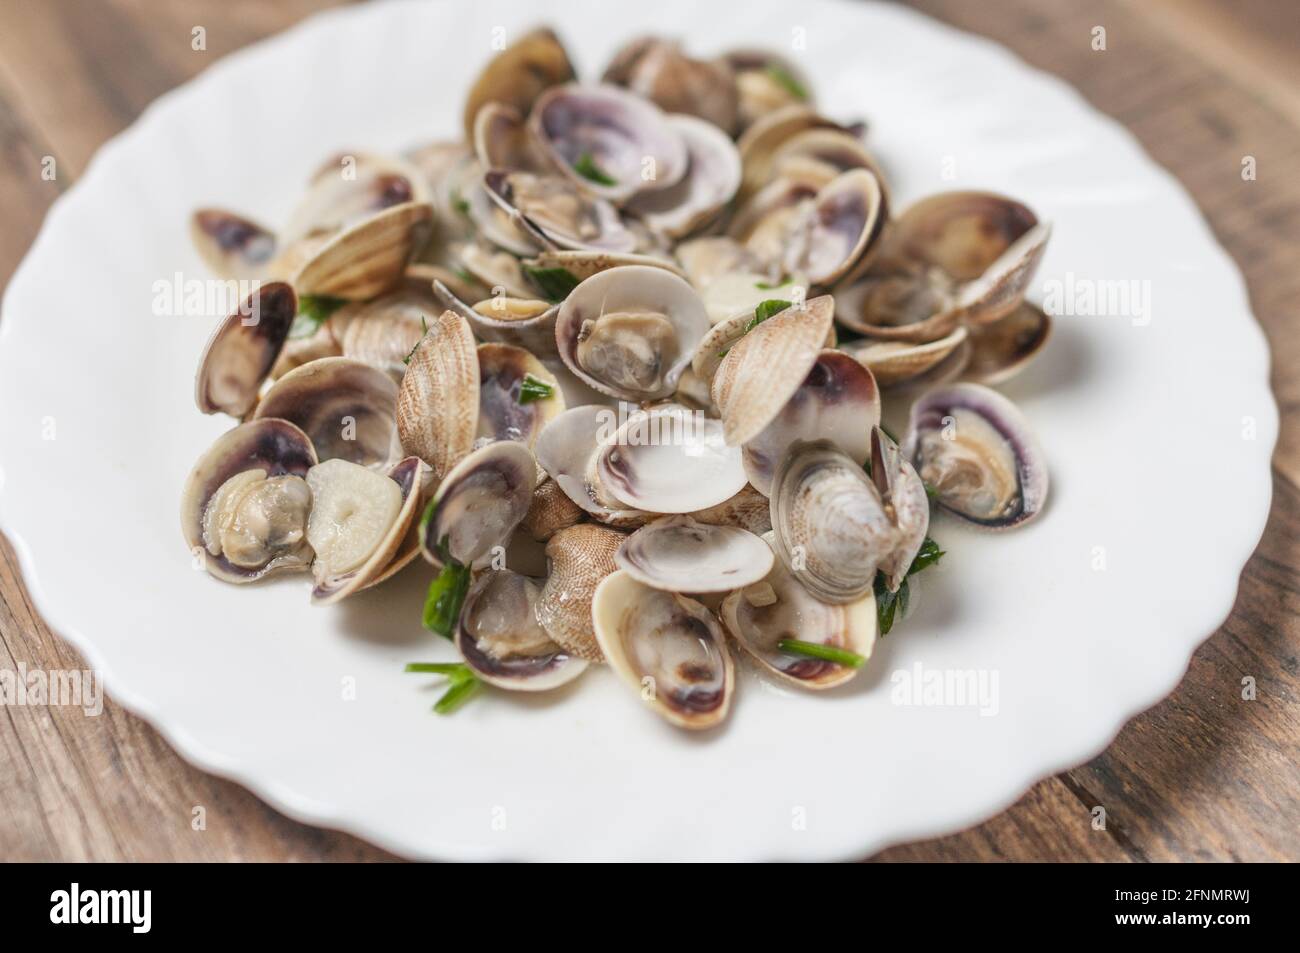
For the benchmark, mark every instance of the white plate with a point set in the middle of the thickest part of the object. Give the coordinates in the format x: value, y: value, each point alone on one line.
x: 1157, y: 472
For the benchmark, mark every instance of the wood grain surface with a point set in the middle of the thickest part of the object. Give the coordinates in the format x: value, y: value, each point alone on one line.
x: 1205, y: 775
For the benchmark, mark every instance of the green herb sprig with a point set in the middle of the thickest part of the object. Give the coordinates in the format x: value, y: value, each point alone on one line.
x: 826, y: 653
x: 587, y: 168
x: 783, y: 78
x: 313, y: 311
x: 462, y: 683
x: 555, y: 283
x: 889, y: 605
x: 531, y: 389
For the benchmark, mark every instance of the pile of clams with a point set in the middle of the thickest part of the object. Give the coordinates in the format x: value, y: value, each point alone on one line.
x: 612, y: 366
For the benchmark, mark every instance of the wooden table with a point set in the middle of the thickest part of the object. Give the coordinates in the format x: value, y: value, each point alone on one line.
x: 1203, y: 776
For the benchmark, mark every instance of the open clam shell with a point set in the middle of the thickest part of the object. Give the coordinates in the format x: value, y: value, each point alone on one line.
x: 1001, y: 288
x: 830, y: 526
x: 231, y: 245
x: 677, y: 554
x: 842, y: 228
x: 438, y: 401
x: 580, y: 558
x: 778, y: 607
x: 737, y: 294
x: 242, y: 350
x: 658, y: 70
x: 711, y: 181
x: 906, y: 499
x: 760, y: 141
x: 837, y: 401
x: 976, y: 450
x: 961, y: 233
x: 554, y: 213
x: 478, y: 504
x: 338, y: 502
x: 762, y: 370
x: 500, y: 638
x: 1001, y: 350
x: 918, y: 306
x: 630, y: 332
x: 368, y: 258
x: 667, y: 648
x: 346, y: 407
x: 896, y: 362
x: 606, y: 139
x: 502, y: 413
x: 766, y: 83
x: 350, y: 188
x: 566, y: 450
x: 527, y: 323
x: 669, y: 460
x: 252, y: 453
x: 518, y: 75
x: 580, y: 264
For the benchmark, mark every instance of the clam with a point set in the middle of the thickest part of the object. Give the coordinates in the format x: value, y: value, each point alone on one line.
x: 765, y: 84
x: 368, y: 258
x: 497, y: 271
x: 659, y: 70
x: 478, y: 504
x: 821, y: 154
x: 566, y: 450
x: 350, y: 188
x: 956, y: 256
x: 231, y: 245
x: 524, y: 322
x: 762, y: 371
x: 550, y: 511
x: 518, y: 75
x: 977, y: 452
x: 667, y: 648
x: 677, y: 554
x: 711, y: 180
x: 837, y: 401
x: 347, y: 409
x: 668, y: 460
x: 762, y: 138
x: 906, y: 500
x: 555, y: 213
x: 244, y: 505
x: 630, y: 332
x: 578, y: 265
x: 580, y: 557
x: 383, y: 332
x: 500, y: 638
x: 897, y: 362
x: 763, y: 614
x: 611, y: 143
x: 1001, y: 350
x: 501, y: 140
x: 359, y: 520
x: 438, y: 401
x: 824, y: 234
x: 748, y: 509
x: 243, y: 349
x: 511, y: 381
x: 831, y: 527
